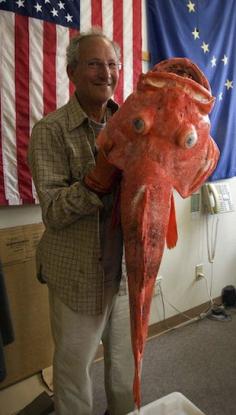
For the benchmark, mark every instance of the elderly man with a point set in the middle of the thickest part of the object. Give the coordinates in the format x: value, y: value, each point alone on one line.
x: 80, y: 255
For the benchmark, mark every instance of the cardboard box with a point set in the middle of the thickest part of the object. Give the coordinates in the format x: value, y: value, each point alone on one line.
x: 18, y: 244
x: 33, y: 346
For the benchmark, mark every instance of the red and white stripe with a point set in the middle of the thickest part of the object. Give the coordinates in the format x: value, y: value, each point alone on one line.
x: 34, y: 80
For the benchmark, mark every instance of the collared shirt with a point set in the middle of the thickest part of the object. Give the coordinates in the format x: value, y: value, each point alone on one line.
x: 68, y: 257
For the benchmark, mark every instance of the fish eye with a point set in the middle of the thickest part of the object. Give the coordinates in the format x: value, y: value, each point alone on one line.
x: 186, y: 136
x: 191, y: 139
x: 139, y: 125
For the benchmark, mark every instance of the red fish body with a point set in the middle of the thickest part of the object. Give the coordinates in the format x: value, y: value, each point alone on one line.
x: 160, y: 139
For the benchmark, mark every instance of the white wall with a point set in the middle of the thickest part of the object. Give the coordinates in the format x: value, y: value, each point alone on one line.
x: 19, y: 215
x: 178, y: 265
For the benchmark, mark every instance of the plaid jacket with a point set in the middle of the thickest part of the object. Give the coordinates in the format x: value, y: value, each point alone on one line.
x: 68, y: 257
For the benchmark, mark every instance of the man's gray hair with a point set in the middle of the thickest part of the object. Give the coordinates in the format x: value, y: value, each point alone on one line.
x: 72, y: 51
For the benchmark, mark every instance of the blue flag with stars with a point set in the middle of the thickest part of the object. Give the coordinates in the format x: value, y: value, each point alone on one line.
x: 205, y: 32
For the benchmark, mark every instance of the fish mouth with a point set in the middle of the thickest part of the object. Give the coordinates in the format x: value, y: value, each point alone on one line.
x: 190, y: 87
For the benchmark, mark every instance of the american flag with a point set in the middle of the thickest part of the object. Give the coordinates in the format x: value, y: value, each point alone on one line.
x: 34, y: 35
x: 205, y: 32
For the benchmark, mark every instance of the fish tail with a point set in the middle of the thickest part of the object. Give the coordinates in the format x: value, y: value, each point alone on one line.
x: 137, y: 388
x: 140, y: 329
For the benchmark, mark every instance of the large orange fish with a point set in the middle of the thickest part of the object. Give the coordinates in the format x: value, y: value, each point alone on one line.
x: 160, y: 140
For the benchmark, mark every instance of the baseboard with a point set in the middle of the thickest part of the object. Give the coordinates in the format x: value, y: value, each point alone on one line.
x: 171, y: 322
x: 161, y: 327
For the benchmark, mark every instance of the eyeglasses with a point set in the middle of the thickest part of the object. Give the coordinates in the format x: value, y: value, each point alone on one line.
x: 96, y: 65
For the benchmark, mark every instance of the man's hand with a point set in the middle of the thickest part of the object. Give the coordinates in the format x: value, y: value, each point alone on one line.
x: 102, y: 178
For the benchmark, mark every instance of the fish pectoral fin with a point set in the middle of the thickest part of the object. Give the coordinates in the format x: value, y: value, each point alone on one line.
x: 172, y: 233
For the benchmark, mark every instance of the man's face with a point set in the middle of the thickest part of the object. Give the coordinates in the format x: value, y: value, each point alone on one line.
x: 94, y: 84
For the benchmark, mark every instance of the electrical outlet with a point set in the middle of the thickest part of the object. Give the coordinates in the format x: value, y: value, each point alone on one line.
x: 199, y: 273
x: 157, y: 286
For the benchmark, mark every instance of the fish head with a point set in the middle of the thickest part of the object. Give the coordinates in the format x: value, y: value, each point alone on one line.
x: 166, y: 122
